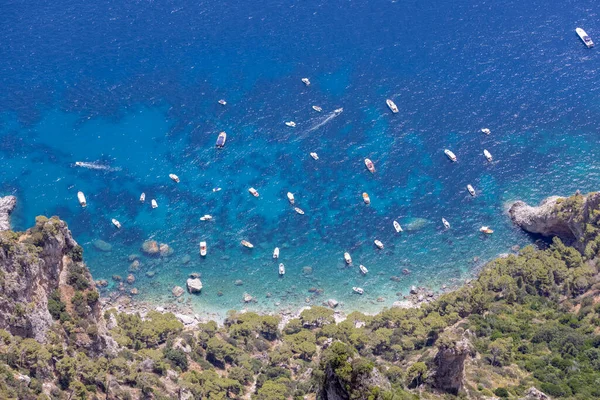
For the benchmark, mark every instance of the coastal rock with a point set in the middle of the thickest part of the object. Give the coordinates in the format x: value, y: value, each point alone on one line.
x: 165, y: 250
x: 101, y: 283
x: 130, y: 279
x: 7, y: 205
x: 134, y: 266
x: 150, y: 247
x: 102, y: 245
x: 186, y: 319
x: 534, y: 394
x: 194, y: 285
x: 238, y: 282
x: 332, y: 303
x: 177, y: 291
x: 247, y: 298
x: 414, y: 290
x: 134, y: 291
x: 450, y: 363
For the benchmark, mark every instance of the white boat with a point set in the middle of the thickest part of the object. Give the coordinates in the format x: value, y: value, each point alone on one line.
x: 306, y: 81
x: 174, y: 177
x: 397, y: 227
x: 370, y: 166
x: 446, y: 223
x: 116, y: 223
x: 142, y: 197
x: 247, y: 244
x: 221, y: 139
x: 486, y: 230
x: 276, y: 253
x: 584, y: 36
x: 487, y: 155
x: 338, y: 111
x: 486, y: 131
x: 206, y: 217
x: 253, y: 192
x: 363, y: 269
x: 347, y: 258
x: 217, y: 189
x: 291, y: 124
x: 450, y: 155
x: 281, y: 269
x: 290, y: 197
x: 392, y: 106
x: 366, y: 198
x: 222, y: 102
x: 317, y: 108
x: 314, y: 155
x: 299, y: 210
x: 81, y: 198
x: 203, y: 249
x: 378, y: 244
x: 471, y: 190
x: 154, y: 203
x: 358, y: 290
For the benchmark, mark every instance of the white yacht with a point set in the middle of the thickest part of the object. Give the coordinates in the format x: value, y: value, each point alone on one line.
x: 247, y: 244
x: 299, y: 210
x: 446, y: 223
x: 487, y: 155
x: 366, y: 198
x: 378, y: 244
x: 314, y: 156
x: 370, y: 166
x: 471, y: 190
x: 291, y: 124
x: 290, y: 197
x: 486, y: 230
x: 392, y: 106
x: 154, y: 203
x: 142, y: 197
x: 306, y: 81
x: 206, y: 217
x: 584, y: 36
x: 174, y: 177
x: 217, y: 189
x: 363, y: 269
x: 253, y: 192
x: 317, y: 108
x: 203, y: 249
x: 221, y: 139
x: 358, y: 290
x: 347, y: 258
x: 222, y: 102
x: 450, y: 155
x: 81, y: 198
x: 116, y: 223
x: 281, y: 269
x: 276, y: 253
x: 486, y: 131
x: 397, y: 227
x: 338, y: 111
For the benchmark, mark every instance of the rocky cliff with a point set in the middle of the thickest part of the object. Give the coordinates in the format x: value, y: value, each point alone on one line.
x: 7, y: 204
x: 450, y: 362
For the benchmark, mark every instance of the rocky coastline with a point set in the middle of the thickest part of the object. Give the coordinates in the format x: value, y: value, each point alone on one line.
x: 7, y: 205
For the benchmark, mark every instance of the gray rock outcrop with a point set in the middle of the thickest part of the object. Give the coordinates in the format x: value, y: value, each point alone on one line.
x: 450, y: 364
x: 7, y: 205
x: 194, y: 285
x: 534, y: 394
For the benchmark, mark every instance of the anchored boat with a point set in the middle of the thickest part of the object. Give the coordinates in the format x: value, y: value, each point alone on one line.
x: 203, y: 249
x: 338, y: 111
x: 222, y: 102
x: 317, y: 108
x: 174, y: 177
x: 471, y: 190
x: 247, y: 244
x: 486, y: 131
x: 392, y: 106
x: 363, y: 269
x: 366, y: 198
x: 206, y: 217
x: 154, y: 203
x: 487, y: 155
x: 276, y: 253
x: 291, y: 124
x: 299, y: 210
x: 253, y: 192
x: 116, y: 223
x: 397, y: 227
x: 584, y: 36
x: 486, y: 230
x: 290, y: 197
x: 281, y: 269
x: 358, y: 290
x: 314, y: 156
x: 378, y: 244
x: 221, y: 139
x: 142, y: 197
x: 81, y: 198
x: 370, y: 166
x: 450, y: 155
x: 446, y: 223
x: 306, y: 81
x: 347, y: 258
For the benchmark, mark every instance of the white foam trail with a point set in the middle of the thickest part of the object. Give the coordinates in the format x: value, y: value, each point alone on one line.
x: 326, y: 119
x: 95, y: 165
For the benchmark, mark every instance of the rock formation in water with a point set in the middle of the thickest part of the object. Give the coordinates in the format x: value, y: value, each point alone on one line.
x: 7, y: 204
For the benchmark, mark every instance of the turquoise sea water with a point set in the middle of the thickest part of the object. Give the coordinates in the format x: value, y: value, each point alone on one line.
x: 134, y: 86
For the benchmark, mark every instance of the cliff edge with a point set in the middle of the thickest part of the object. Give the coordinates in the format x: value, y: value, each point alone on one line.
x: 7, y: 205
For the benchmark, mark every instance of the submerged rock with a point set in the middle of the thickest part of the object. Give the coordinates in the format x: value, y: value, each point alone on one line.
x: 150, y: 247
x: 134, y: 266
x: 130, y: 279
x: 238, y: 282
x: 332, y: 303
x: 177, y: 291
x: 307, y: 270
x: 150, y: 274
x: 247, y: 298
x: 194, y: 285
x: 165, y: 250
x: 414, y: 290
x: 186, y: 259
x: 7, y: 205
x: 102, y: 245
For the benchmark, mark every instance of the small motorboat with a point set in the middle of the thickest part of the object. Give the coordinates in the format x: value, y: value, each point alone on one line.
x: 281, y: 269
x: 487, y: 155
x: 247, y: 244
x: 174, y: 177
x: 306, y: 81
x: 392, y: 106
x: 317, y: 108
x: 397, y: 227
x: 378, y: 244
x: 291, y: 124
x: 471, y: 190
x: 338, y: 111
x: 363, y: 269
x: 206, y: 217
x: 358, y: 290
x: 221, y: 139
x: 217, y: 189
x: 486, y: 131
x: 585, y: 38
x: 276, y: 253
x: 446, y: 223
x: 81, y: 198
x: 370, y: 166
x: 290, y: 197
x: 222, y: 102
x: 203, y: 249
x: 299, y: 210
x: 314, y: 155
x: 486, y: 230
x: 450, y: 155
x: 253, y: 192
x: 142, y: 197
x: 116, y: 223
x: 347, y: 258
x: 366, y: 198
x: 154, y: 203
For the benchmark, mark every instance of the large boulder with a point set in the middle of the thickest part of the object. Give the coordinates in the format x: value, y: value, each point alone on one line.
x: 177, y: 291
x: 150, y: 247
x: 194, y: 285
x: 7, y: 205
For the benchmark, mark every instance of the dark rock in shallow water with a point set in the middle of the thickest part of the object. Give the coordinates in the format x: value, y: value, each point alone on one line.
x: 7, y: 205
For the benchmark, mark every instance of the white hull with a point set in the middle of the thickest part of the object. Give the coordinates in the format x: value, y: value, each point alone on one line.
x: 222, y: 102
x: 221, y: 139
x: 291, y: 124
x: 397, y: 227
x: 487, y: 155
x: 247, y: 244
x: 174, y: 178
x: 486, y: 131
x: 392, y: 106
x: 446, y: 223
x: 366, y: 198
x: 363, y: 269
x: 203, y: 249
x: 154, y: 203
x: 253, y: 192
x: 142, y: 197
x: 299, y: 211
x: 116, y: 223
x: 471, y: 190
x: 281, y: 269
x: 317, y: 108
x: 206, y: 217
x: 306, y: 81
x: 450, y: 155
x: 314, y: 156
x: 338, y: 111
x: 347, y: 258
x: 370, y: 166
x: 276, y: 253
x: 585, y: 38
x: 290, y: 197
x: 358, y: 290
x: 81, y: 198
x: 378, y: 244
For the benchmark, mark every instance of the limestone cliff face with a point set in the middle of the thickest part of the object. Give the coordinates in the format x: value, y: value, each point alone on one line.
x: 42, y: 262
x: 450, y: 364
x: 7, y: 204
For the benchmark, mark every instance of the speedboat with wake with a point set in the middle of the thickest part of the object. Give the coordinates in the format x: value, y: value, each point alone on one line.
x: 450, y: 155
x: 471, y: 190
x: 584, y: 36
x: 338, y: 111
x: 317, y: 108
x: 291, y: 124
x: 276, y: 253
x: 203, y: 249
x: 392, y: 106
x: 290, y: 197
x: 306, y: 81
x: 370, y: 166
x: 174, y: 178
x: 253, y: 192
x: 378, y: 244
x: 281, y: 269
x: 487, y: 155
x: 347, y: 258
x: 358, y: 290
x: 247, y: 244
x: 116, y: 223
x: 221, y: 140
x: 363, y: 269
x: 397, y: 227
x: 81, y: 198
x: 222, y: 102
x: 446, y: 223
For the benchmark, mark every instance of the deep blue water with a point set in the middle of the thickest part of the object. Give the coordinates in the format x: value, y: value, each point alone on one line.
x: 135, y: 85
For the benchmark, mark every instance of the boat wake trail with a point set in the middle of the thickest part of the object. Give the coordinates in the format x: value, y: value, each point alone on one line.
x: 96, y: 166
x: 325, y: 120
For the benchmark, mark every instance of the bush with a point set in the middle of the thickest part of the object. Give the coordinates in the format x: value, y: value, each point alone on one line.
x: 501, y: 392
